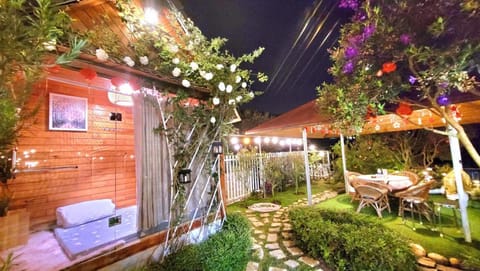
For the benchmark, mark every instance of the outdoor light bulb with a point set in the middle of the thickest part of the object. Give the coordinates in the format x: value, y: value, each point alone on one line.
x: 257, y: 140
x: 125, y: 88
x: 288, y: 141
x: 246, y: 141
x: 151, y: 16
x: 237, y: 147
x: 312, y: 147
x: 266, y: 140
x: 274, y: 140
x: 234, y: 140
x: 282, y: 143
x: 322, y: 153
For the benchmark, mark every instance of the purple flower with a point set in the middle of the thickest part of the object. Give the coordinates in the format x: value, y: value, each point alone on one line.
x: 348, y: 67
x: 405, y: 39
x: 443, y: 100
x: 356, y: 40
x: 351, y: 52
x: 412, y: 79
x: 368, y: 31
x: 361, y: 15
x: 353, y: 4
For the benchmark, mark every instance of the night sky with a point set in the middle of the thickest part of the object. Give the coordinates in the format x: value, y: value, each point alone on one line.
x: 295, y: 33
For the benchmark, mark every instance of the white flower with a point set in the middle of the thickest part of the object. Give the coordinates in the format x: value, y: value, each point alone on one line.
x: 229, y: 88
x: 208, y: 76
x: 233, y: 68
x: 190, y: 46
x: 202, y: 73
x: 176, y: 72
x: 216, y: 100
x: 176, y: 61
x: 129, y: 61
x: 239, y: 98
x: 213, y: 120
x: 101, y: 54
x: 173, y: 48
x: 231, y: 101
x: 186, y: 83
x: 221, y: 86
x: 238, y: 79
x: 50, y: 45
x: 244, y: 84
x: 144, y: 60
x: 194, y: 66
x: 219, y: 66
x: 251, y: 94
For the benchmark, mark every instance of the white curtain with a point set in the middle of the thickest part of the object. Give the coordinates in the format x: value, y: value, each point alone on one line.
x: 152, y: 164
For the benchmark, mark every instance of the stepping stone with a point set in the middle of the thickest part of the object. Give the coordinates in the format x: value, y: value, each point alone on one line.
x: 277, y: 254
x: 252, y: 266
x: 253, y: 219
x: 272, y: 237
x: 248, y: 211
x: 257, y: 232
x: 259, y: 254
x: 276, y: 220
x: 265, y: 215
x: 271, y: 268
x: 288, y: 243
x: 287, y: 235
x: 276, y: 224
x: 256, y: 246
x: 274, y: 230
x: 258, y: 224
x: 266, y: 220
x: 272, y: 246
x: 262, y: 236
x: 308, y: 261
x: 292, y: 264
x: 441, y: 267
x: 295, y: 251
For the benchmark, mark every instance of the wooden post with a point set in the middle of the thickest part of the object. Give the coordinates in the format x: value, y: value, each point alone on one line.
x: 307, y: 165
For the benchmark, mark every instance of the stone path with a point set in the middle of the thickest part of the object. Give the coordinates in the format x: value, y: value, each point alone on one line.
x: 273, y: 246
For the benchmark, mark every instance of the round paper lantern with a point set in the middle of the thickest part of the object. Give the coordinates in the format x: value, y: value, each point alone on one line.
x: 404, y: 109
x: 389, y: 67
x: 443, y: 100
x: 118, y: 81
x: 88, y: 73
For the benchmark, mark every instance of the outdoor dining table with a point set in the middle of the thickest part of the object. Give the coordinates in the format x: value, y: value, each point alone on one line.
x: 394, y: 182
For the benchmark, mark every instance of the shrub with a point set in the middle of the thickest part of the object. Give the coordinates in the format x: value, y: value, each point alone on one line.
x: 229, y: 249
x: 349, y: 241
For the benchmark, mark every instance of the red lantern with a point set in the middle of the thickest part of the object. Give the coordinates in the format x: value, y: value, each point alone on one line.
x: 135, y: 84
x: 88, y: 74
x: 404, y: 109
x: 389, y: 67
x: 117, y: 81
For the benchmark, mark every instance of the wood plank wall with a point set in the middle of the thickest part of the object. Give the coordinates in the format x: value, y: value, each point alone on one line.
x: 104, y: 156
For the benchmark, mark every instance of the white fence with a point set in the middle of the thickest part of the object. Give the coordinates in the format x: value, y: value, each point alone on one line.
x: 244, y: 173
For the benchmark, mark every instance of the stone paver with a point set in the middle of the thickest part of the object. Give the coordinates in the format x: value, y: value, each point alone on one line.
x: 277, y: 254
x: 294, y: 251
x: 288, y: 243
x: 252, y: 266
x: 309, y: 261
x: 257, y: 232
x: 262, y: 236
x: 272, y: 237
x: 271, y: 268
x: 272, y: 246
x: 292, y: 263
x: 276, y: 224
x: 257, y: 224
x: 274, y: 230
x: 265, y: 215
x: 266, y: 220
x: 287, y: 235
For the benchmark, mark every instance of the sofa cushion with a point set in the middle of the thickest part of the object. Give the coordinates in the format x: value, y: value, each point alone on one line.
x: 83, y: 212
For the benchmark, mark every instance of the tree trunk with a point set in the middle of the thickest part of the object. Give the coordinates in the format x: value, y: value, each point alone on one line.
x: 465, y: 140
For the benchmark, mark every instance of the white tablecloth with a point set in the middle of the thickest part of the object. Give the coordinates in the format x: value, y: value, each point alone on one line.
x: 394, y: 182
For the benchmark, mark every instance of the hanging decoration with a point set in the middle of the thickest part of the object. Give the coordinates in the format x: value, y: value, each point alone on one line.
x: 404, y: 109
x: 389, y: 67
x: 443, y: 100
x: 455, y: 112
x: 117, y: 81
x: 88, y: 73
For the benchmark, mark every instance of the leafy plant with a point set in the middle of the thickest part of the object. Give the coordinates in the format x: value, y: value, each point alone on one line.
x: 8, y: 263
x: 396, y: 56
x: 228, y: 249
x: 349, y: 241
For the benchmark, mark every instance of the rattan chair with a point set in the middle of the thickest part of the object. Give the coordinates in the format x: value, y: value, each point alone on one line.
x: 372, y: 196
x: 414, y: 199
x: 351, y: 178
x: 414, y: 178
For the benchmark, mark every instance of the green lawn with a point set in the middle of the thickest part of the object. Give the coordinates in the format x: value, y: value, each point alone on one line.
x: 451, y: 245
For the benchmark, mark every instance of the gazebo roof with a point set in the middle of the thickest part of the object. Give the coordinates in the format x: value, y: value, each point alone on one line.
x: 291, y: 123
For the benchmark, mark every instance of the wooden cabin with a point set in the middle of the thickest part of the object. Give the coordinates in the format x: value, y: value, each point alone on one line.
x: 80, y: 146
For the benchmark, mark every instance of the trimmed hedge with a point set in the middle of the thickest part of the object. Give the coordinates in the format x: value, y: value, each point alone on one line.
x: 228, y: 250
x: 350, y: 241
